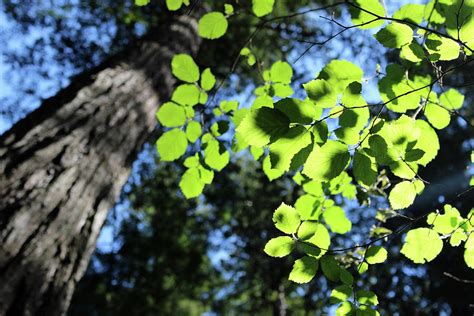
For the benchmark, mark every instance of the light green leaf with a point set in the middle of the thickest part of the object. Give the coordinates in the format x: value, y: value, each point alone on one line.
x: 141, y: 2
x: 328, y: 161
x: 364, y: 168
x: 228, y: 9
x: 286, y: 219
x: 337, y: 220
x: 279, y: 246
x: 451, y: 99
x: 287, y: 146
x: 212, y: 25
x: 340, y: 74
x: 271, y: 173
x: 402, y: 195
x: 186, y: 94
x: 437, y: 116
x: 413, y: 52
x: 172, y: 145
x: 321, y: 92
x: 346, y: 309
x: 174, y: 5
x: 191, y: 184
x: 299, y: 111
x: 307, y: 229
x: 441, y: 48
x: 445, y: 223
x: 229, y: 105
x: 215, y: 155
x: 457, y: 237
x: 256, y: 152
x: 193, y: 131
x: 171, y: 115
x: 427, y: 141
x: 263, y: 125
x: 262, y: 7
x: 367, y: 297
x: 410, y: 12
x: 208, y: 80
x: 184, y: 68
x: 308, y: 207
x: 362, y: 17
x: 281, y: 72
x: 375, y: 254
x: 422, y: 245
x: 340, y: 294
x: 318, y: 244
x: 395, y: 35
x: 304, y: 270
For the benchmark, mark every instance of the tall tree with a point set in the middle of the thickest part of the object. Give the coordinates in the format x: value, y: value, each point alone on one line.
x: 63, y: 166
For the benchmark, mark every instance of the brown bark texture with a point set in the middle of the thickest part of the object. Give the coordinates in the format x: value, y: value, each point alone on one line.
x: 63, y: 166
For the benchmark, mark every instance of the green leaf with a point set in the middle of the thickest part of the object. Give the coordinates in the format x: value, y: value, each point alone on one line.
x: 286, y: 219
x: 330, y: 268
x: 172, y: 145
x: 186, y: 94
x: 318, y: 244
x: 321, y: 92
x: 171, y: 115
x: 193, y: 131
x: 191, y: 184
x: 345, y: 276
x: 437, y: 116
x: 367, y: 297
x: 362, y: 17
x: 346, y: 309
x: 141, y: 2
x: 413, y: 52
x: 184, y: 68
x: 337, y: 220
x: 402, y: 195
x: 304, y: 270
x: 364, y: 168
x: 469, y: 251
x: 271, y: 173
x: 174, y: 5
x: 328, y: 161
x: 441, y: 48
x: 299, y: 111
x: 445, y: 223
x: 256, y: 152
x: 427, y: 141
x: 279, y: 246
x: 375, y: 254
x: 422, y: 245
x: 395, y: 35
x: 308, y: 207
x: 212, y: 25
x: 339, y: 74
x: 263, y: 125
x: 281, y: 72
x: 287, y: 146
x: 215, y: 155
x: 208, y: 80
x: 451, y: 99
x: 229, y: 105
x: 410, y: 12
x: 262, y: 7
x: 228, y: 9
x: 340, y: 294
x: 307, y: 229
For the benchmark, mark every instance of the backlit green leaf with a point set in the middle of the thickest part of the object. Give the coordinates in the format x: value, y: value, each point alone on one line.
x: 375, y: 254
x: 207, y: 79
x: 395, y: 35
x: 212, y: 25
x: 304, y: 270
x: 279, y: 246
x: 402, y: 195
x: 286, y: 219
x: 422, y: 245
x: 337, y: 220
x: 184, y: 68
x: 262, y: 7
x: 171, y: 115
x: 328, y: 161
x: 172, y: 145
x: 362, y: 18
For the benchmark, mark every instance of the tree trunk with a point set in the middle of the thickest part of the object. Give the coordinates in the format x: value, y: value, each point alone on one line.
x: 63, y: 166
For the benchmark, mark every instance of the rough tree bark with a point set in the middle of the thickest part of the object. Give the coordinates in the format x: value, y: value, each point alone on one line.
x: 63, y: 166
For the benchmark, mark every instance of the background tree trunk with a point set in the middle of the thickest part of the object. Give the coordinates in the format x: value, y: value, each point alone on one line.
x: 63, y: 166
